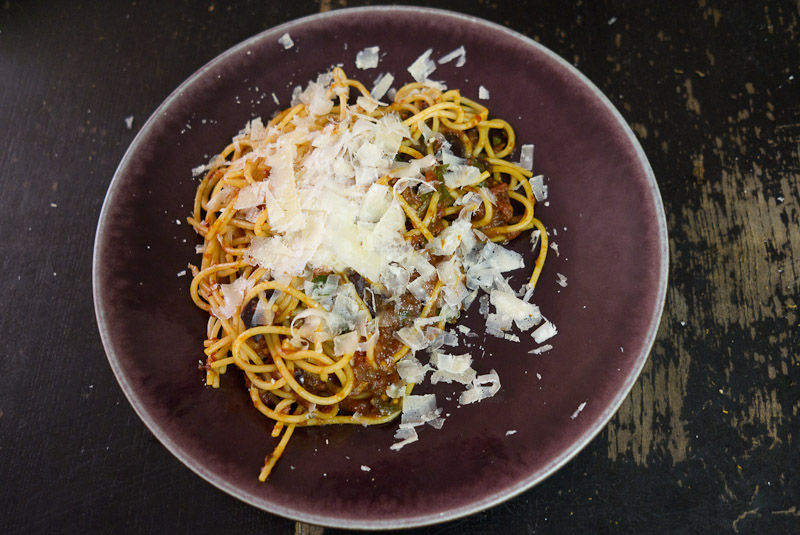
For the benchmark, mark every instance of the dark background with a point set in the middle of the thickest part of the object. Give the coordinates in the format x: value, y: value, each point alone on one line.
x: 705, y: 443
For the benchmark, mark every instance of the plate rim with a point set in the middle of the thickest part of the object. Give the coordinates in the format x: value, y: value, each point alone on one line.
x: 408, y: 521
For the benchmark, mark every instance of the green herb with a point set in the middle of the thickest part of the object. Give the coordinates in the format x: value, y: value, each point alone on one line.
x: 445, y: 199
x: 439, y: 171
x: 476, y: 162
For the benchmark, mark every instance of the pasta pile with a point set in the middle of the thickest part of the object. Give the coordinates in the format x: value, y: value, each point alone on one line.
x: 343, y: 236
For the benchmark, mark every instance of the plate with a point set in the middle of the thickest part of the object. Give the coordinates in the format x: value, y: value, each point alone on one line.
x: 605, y: 215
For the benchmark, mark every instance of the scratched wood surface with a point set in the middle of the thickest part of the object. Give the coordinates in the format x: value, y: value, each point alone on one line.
x: 706, y: 442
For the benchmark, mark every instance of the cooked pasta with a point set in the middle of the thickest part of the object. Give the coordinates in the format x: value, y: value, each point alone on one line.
x: 344, y: 235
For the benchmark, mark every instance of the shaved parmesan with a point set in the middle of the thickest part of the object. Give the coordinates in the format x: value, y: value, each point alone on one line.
x: 233, y: 294
x: 578, y: 410
x: 546, y: 331
x: 422, y: 67
x: 345, y: 344
x: 382, y: 85
x: 411, y: 370
x: 526, y: 157
x: 459, y: 176
x: 405, y: 435
x: 418, y: 410
x: 263, y: 314
x: 220, y: 199
x: 251, y: 196
x: 369, y: 154
x: 420, y: 287
x: 538, y: 187
x: 368, y: 103
x: 450, y: 238
x: 541, y: 349
x: 452, y: 368
x: 286, y: 41
x: 396, y: 390
x: 414, y: 338
x: 459, y: 54
x: 376, y: 202
x: 447, y: 271
x: 482, y: 387
x: 509, y: 306
x: 483, y: 93
x: 367, y: 58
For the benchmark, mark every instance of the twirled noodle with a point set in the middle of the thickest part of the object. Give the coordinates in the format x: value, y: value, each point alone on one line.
x: 300, y: 369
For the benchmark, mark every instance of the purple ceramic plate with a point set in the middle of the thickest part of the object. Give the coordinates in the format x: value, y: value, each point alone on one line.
x: 605, y: 214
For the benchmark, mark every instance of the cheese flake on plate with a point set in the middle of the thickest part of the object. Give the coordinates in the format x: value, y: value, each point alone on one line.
x: 482, y: 387
x: 286, y: 41
x: 526, y: 157
x: 382, y: 85
x: 459, y: 54
x: 422, y: 67
x: 368, y: 58
x: 546, y: 331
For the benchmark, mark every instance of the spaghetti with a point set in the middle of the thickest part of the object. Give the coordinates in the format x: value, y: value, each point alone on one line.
x: 344, y: 235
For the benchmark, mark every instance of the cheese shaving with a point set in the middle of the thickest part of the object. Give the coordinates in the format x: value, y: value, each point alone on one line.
x: 285, y: 41
x: 368, y: 58
x: 537, y: 186
x: 482, y: 387
x: 546, y: 331
x: 526, y: 157
x: 382, y: 85
x: 422, y: 67
x: 459, y: 54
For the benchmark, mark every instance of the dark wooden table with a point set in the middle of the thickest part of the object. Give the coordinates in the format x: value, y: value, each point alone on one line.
x: 706, y: 442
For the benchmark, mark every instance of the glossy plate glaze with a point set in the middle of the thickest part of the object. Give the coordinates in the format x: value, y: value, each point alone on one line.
x: 604, y: 213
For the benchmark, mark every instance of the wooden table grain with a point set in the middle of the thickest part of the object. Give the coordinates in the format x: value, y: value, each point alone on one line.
x: 707, y: 440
